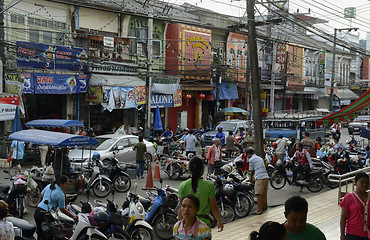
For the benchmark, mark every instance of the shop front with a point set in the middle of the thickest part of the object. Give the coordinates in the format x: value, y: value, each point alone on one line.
x: 188, y: 55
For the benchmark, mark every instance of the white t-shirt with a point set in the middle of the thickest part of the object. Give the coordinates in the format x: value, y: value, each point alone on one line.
x: 6, y: 230
x: 190, y: 141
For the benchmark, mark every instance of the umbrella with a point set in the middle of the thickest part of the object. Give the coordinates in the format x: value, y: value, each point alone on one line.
x: 17, y: 125
x: 157, y: 121
x: 230, y: 111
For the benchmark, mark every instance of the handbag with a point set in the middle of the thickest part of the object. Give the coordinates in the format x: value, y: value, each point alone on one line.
x: 9, y: 159
x: 362, y: 217
x: 209, y: 217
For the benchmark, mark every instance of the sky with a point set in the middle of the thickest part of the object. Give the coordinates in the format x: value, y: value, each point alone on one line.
x: 329, y: 10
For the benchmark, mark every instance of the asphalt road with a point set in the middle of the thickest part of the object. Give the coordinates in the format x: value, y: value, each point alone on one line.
x: 275, y: 197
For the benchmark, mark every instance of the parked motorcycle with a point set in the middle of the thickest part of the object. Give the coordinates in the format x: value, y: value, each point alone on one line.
x: 117, y: 173
x: 176, y: 167
x: 96, y: 180
x: 16, y: 197
x: 23, y: 230
x: 162, y: 215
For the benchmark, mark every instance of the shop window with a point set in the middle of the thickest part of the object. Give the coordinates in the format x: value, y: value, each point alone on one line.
x: 50, y: 24
x: 231, y: 57
x: 13, y: 18
x: 239, y: 59
x: 37, y: 22
x: 34, y: 36
x: 21, y: 19
x: 47, y: 38
x: 157, y: 48
x: 31, y: 21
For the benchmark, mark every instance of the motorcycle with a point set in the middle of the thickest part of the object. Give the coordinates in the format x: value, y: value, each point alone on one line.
x: 16, y: 198
x: 100, y: 183
x: 117, y: 173
x: 23, y: 230
x: 285, y: 175
x: 162, y: 215
x: 176, y: 167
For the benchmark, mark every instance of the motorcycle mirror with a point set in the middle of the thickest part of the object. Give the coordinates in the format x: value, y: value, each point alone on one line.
x: 161, y: 180
x: 88, y: 194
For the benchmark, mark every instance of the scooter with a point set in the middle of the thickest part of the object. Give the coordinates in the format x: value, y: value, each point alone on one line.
x: 162, y: 215
x: 100, y: 183
x: 23, y: 230
x: 16, y: 198
x: 117, y: 173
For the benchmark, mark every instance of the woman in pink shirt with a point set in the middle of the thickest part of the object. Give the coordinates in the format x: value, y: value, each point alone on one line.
x: 354, y: 220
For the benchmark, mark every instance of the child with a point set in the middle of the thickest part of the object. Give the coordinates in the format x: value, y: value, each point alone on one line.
x: 190, y: 227
x: 354, y: 220
x: 270, y: 231
x: 6, y: 227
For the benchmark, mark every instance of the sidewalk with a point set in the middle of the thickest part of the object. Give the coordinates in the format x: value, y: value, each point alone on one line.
x: 323, y: 212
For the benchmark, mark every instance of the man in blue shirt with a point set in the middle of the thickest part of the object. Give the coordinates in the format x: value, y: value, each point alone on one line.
x: 190, y: 142
x: 220, y: 135
x: 168, y: 134
x: 16, y: 152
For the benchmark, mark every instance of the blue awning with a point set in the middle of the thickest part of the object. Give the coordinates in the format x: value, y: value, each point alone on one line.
x: 53, y: 123
x: 52, y: 138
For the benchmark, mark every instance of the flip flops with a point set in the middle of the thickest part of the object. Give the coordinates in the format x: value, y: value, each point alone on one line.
x: 257, y: 213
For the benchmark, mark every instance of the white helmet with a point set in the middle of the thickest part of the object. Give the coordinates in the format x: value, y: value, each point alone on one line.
x: 227, y: 168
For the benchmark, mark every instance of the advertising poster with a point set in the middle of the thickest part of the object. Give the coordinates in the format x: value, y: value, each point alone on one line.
x: 82, y: 83
x: 94, y: 94
x: 13, y: 84
x: 43, y: 56
x: 177, y: 99
x: 123, y: 97
x: 56, y: 83
x: 130, y: 98
x: 28, y: 84
x: 140, y: 93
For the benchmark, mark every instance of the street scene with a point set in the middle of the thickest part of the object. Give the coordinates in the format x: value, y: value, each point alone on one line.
x: 184, y: 119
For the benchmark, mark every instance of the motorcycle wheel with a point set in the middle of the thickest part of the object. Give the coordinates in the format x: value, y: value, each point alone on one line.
x: 278, y: 180
x: 316, y: 183
x: 103, y: 189
x: 141, y: 233
x: 251, y: 199
x: 173, y: 171
x: 270, y: 171
x: 331, y: 185
x: 33, y: 197
x: 244, y: 207
x: 227, y: 213
x: 164, y: 229
x: 122, y: 183
x: 118, y: 235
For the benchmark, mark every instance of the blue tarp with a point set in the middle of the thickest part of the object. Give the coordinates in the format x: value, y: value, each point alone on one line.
x: 52, y: 138
x: 54, y: 123
x: 228, y: 90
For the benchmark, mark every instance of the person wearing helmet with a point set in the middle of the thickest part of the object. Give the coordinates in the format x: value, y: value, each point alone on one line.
x: 220, y: 135
x: 140, y: 132
x: 281, y: 145
x: 186, y: 132
x: 249, y: 140
x: 52, y: 198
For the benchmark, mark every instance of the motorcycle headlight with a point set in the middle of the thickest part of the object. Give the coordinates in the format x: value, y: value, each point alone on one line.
x: 140, y: 208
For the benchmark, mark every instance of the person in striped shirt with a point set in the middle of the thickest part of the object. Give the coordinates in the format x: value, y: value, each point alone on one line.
x: 190, y: 227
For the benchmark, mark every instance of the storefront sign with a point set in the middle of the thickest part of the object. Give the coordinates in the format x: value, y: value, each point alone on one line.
x: 42, y: 56
x: 7, y: 112
x: 161, y: 100
x: 108, y: 42
x: 10, y: 100
x: 13, y: 84
x: 59, y: 83
x: 110, y: 68
x: 28, y: 84
x: 119, y: 98
x: 140, y: 93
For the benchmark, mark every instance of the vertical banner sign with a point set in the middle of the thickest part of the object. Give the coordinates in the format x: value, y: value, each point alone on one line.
x: 140, y: 93
x: 281, y: 59
x: 28, y: 83
x: 322, y: 65
x: 177, y: 99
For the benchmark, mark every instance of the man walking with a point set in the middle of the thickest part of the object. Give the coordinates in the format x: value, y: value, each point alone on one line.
x: 190, y: 142
x: 140, y: 148
x: 249, y: 140
x: 307, y: 143
x: 296, y: 209
x: 214, y: 155
x: 259, y: 173
x: 16, y: 153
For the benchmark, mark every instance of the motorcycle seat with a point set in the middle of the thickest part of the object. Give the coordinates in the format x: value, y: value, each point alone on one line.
x: 4, y: 188
x: 145, y: 202
x: 27, y: 229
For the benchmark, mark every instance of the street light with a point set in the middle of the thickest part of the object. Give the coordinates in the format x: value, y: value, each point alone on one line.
x: 333, y: 67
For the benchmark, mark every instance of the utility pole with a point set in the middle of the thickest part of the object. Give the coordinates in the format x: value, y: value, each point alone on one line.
x: 2, y: 49
x: 331, y: 107
x: 149, y: 68
x: 255, y: 81
x: 270, y: 52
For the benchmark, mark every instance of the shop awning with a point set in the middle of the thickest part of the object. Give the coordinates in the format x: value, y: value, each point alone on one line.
x: 115, y: 80
x: 347, y: 113
x: 53, y: 123
x: 346, y: 94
